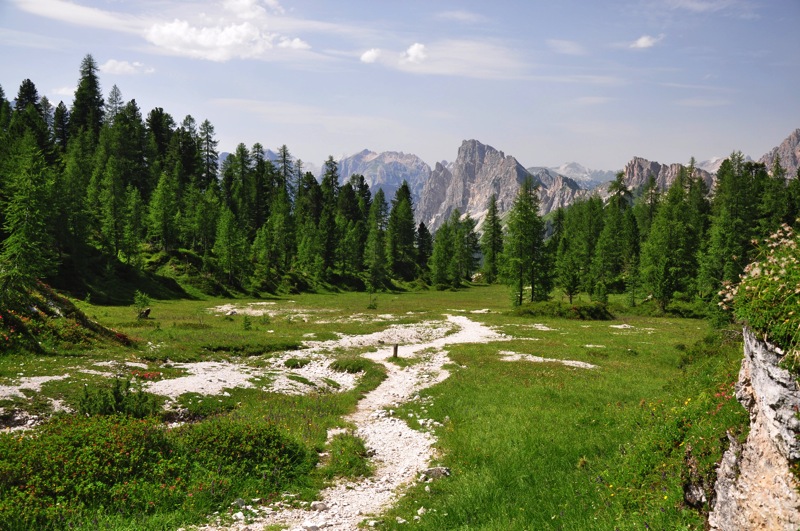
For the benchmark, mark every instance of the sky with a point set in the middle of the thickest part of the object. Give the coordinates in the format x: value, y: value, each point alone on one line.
x: 547, y: 81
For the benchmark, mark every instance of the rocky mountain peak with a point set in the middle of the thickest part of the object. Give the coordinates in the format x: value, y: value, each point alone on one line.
x: 386, y: 170
x: 789, y: 153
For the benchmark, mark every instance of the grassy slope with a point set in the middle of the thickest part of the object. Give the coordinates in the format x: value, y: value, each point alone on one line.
x: 532, y: 446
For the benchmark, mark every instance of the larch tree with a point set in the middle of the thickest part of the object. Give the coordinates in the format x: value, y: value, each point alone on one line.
x: 27, y: 251
x: 524, y: 257
x: 400, y: 234
x: 492, y: 241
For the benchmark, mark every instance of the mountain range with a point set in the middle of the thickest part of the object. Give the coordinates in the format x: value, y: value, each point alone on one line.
x: 480, y: 170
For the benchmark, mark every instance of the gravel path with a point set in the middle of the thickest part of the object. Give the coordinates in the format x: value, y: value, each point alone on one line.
x: 400, y: 453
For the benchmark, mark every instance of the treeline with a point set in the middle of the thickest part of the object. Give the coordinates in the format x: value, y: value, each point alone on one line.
x: 99, y: 178
x: 675, y: 246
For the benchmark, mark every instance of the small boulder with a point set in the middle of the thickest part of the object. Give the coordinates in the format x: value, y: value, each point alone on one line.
x: 436, y: 472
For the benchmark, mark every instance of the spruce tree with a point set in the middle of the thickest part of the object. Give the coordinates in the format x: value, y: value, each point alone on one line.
x: 524, y: 257
x: 87, y: 108
x: 400, y: 234
x: 492, y: 241
x: 27, y: 251
x: 375, y: 252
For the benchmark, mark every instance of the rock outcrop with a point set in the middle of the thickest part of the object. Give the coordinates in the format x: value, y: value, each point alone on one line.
x: 386, y: 170
x: 755, y: 486
x: 638, y: 171
x: 789, y: 153
x: 480, y: 171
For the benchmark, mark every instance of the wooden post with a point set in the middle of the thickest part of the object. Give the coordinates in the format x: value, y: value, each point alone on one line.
x: 394, y: 351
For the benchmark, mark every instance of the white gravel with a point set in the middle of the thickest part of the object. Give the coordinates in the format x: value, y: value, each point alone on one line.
x: 506, y: 355
x: 400, y: 453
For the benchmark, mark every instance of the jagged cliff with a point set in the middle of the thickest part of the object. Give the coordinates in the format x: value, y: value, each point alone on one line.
x: 480, y: 171
x: 756, y: 488
x: 386, y: 170
x: 638, y: 171
x: 789, y: 153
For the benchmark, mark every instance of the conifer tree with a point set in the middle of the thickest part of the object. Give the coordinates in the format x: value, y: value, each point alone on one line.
x: 162, y: 228
x: 375, y: 252
x: 230, y: 246
x: 524, y: 257
x: 492, y: 241
x: 400, y: 234
x: 424, y: 245
x: 87, y: 108
x: 209, y: 156
x: 26, y: 253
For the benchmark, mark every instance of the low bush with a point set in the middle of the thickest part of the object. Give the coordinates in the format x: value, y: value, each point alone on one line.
x: 350, y: 365
x: 231, y: 446
x: 595, y: 311
x: 118, y: 399
x: 768, y: 295
x: 296, y: 363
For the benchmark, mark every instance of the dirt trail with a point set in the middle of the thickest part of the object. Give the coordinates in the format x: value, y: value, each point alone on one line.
x: 400, y: 453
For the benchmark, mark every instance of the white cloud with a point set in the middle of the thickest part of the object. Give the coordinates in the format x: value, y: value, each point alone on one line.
x: 415, y: 53
x: 294, y: 44
x: 460, y: 16
x: 453, y: 57
x: 371, y: 55
x: 646, y: 41
x: 566, y: 47
x: 64, y: 91
x: 112, y: 66
x: 219, y: 43
x: 81, y: 15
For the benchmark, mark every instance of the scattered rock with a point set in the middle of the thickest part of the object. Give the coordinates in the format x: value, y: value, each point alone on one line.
x: 436, y: 472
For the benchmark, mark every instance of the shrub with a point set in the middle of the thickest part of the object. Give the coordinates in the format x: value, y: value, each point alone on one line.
x: 350, y: 365
x: 242, y: 447
x: 296, y: 363
x: 119, y: 399
x: 578, y: 310
x: 76, y: 463
x: 767, y: 298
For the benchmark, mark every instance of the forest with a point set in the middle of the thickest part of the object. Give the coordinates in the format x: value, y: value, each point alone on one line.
x: 99, y: 190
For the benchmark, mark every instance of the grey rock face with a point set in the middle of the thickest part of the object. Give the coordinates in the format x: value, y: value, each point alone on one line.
x: 638, y: 171
x: 480, y: 171
x: 789, y: 153
x: 386, y: 170
x: 755, y: 487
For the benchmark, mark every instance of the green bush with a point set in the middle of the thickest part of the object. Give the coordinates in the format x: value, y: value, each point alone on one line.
x: 768, y: 296
x: 73, y: 464
x: 237, y: 447
x: 119, y: 399
x: 296, y: 363
x: 350, y: 365
x: 596, y: 311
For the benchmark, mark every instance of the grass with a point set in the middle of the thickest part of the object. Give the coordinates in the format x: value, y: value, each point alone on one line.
x: 531, y: 446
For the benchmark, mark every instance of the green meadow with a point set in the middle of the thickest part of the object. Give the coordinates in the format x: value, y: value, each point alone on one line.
x: 530, y: 445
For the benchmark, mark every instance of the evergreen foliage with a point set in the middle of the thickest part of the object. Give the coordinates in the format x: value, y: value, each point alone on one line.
x: 104, y: 179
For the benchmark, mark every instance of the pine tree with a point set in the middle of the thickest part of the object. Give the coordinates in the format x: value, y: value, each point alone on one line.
x: 162, y: 227
x: 424, y: 245
x: 400, y: 234
x: 87, y: 108
x: 375, y: 252
x: 26, y: 253
x: 441, y: 256
x: 209, y: 156
x: 524, y: 248
x: 114, y: 104
x: 492, y: 241
x: 230, y: 246
x: 61, y: 126
x: 133, y: 230
x: 326, y: 229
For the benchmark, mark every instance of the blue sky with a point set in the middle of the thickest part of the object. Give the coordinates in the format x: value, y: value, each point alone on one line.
x: 596, y: 82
